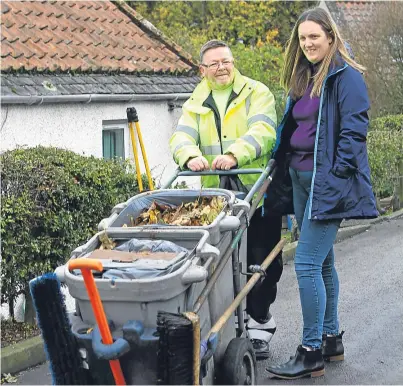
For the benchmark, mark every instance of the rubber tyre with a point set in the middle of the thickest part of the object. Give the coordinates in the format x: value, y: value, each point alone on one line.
x: 238, y: 366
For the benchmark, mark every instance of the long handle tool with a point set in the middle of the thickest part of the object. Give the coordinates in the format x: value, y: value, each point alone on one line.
x: 132, y: 117
x: 86, y: 265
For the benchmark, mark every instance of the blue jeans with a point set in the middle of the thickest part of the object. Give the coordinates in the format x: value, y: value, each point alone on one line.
x: 314, y: 265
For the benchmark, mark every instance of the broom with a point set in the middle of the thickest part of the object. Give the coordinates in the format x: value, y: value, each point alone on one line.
x: 179, y: 344
x: 61, y: 347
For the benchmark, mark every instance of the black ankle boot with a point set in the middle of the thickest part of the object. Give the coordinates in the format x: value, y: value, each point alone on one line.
x: 304, y: 364
x: 332, y: 347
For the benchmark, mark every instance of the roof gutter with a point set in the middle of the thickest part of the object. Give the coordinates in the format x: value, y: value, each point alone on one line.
x: 89, y: 98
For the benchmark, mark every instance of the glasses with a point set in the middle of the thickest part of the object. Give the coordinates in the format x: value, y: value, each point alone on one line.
x: 215, y: 66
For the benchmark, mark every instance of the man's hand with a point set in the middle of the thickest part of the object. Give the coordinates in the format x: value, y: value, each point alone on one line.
x: 198, y: 164
x: 224, y: 162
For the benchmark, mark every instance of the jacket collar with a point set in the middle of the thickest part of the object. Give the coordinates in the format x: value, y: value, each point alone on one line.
x: 202, y: 92
x: 337, y: 65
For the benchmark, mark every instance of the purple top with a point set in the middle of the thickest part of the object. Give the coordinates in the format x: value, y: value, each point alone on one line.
x: 305, y: 114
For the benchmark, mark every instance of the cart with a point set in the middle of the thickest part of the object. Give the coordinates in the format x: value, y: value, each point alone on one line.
x: 206, y: 281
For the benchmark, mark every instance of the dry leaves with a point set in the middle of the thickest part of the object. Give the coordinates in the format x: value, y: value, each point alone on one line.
x: 8, y: 378
x: 106, y: 242
x: 200, y: 212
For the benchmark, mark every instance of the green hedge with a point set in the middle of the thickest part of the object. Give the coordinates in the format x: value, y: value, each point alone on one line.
x: 393, y: 123
x: 385, y: 148
x: 52, y: 201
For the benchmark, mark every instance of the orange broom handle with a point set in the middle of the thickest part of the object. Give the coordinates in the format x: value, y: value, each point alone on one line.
x: 86, y: 265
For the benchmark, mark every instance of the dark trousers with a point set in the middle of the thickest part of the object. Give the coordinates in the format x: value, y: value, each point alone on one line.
x: 263, y: 235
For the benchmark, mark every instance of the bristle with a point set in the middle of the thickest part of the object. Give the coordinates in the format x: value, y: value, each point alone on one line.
x: 175, y: 351
x: 60, y: 344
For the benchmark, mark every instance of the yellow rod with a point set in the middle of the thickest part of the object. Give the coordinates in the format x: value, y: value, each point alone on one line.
x: 143, y: 152
x: 136, y: 156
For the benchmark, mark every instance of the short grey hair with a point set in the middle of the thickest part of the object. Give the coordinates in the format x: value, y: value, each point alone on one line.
x: 210, y: 45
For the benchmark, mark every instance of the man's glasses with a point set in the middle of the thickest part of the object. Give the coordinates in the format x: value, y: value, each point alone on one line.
x: 215, y: 66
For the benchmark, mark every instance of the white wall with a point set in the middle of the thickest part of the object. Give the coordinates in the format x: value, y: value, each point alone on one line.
x: 78, y: 127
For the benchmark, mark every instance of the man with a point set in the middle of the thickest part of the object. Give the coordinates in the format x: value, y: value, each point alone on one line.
x: 229, y: 122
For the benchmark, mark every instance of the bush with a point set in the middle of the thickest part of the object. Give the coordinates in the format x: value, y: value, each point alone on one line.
x: 52, y: 201
x: 385, y: 148
x: 393, y: 123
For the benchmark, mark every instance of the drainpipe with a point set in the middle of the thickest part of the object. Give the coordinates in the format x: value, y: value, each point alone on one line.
x: 90, y: 98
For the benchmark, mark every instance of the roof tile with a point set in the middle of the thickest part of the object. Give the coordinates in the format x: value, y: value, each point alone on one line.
x: 352, y: 12
x: 85, y: 36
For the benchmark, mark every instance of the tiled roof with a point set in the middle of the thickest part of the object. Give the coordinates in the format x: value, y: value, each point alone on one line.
x: 351, y: 12
x: 84, y: 36
x: 67, y: 84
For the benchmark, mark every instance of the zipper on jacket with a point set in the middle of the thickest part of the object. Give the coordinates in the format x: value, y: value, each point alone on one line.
x: 210, y: 103
x: 232, y: 97
x: 317, y: 138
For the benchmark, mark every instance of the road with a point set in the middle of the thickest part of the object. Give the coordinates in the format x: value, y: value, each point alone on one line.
x: 370, y: 267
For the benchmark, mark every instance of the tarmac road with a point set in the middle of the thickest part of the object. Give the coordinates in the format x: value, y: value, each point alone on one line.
x: 370, y: 268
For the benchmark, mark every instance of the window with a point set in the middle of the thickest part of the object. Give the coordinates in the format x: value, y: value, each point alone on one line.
x: 113, y: 139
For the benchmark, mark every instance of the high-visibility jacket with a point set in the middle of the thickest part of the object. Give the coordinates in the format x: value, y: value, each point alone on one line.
x: 248, y: 129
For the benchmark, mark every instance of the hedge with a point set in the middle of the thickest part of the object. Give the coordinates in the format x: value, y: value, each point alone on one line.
x: 385, y: 148
x: 52, y: 201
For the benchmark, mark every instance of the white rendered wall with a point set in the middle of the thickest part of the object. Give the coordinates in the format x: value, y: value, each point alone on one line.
x: 78, y: 127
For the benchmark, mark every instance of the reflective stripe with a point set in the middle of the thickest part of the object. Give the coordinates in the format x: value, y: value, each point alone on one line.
x: 254, y: 143
x: 211, y: 150
x: 183, y: 144
x: 227, y: 144
x: 247, y: 104
x: 261, y: 117
x: 248, y: 98
x: 188, y: 130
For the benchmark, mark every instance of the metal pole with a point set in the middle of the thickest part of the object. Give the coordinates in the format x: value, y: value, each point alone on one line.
x: 237, y: 283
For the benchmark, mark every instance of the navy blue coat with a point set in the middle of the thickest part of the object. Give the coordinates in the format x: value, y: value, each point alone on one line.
x: 341, y: 186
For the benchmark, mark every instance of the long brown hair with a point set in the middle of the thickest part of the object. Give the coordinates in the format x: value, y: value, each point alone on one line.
x: 296, y: 71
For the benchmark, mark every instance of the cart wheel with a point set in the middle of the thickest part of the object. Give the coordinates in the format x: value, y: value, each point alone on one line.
x: 238, y: 366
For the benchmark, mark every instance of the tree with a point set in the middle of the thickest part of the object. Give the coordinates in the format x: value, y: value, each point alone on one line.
x: 256, y: 31
x: 379, y: 47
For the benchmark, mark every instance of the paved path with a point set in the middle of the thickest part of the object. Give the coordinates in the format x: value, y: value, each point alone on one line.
x: 370, y: 267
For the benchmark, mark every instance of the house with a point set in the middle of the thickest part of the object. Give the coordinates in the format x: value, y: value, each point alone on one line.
x: 349, y: 14
x: 374, y: 31
x: 70, y: 69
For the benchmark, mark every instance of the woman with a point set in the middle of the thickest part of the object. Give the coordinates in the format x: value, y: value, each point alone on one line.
x: 322, y: 142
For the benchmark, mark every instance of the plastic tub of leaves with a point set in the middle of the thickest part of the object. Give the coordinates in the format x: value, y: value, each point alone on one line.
x: 209, y: 209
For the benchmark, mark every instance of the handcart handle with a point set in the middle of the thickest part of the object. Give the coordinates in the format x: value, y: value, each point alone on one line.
x: 231, y: 172
x: 261, y: 185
